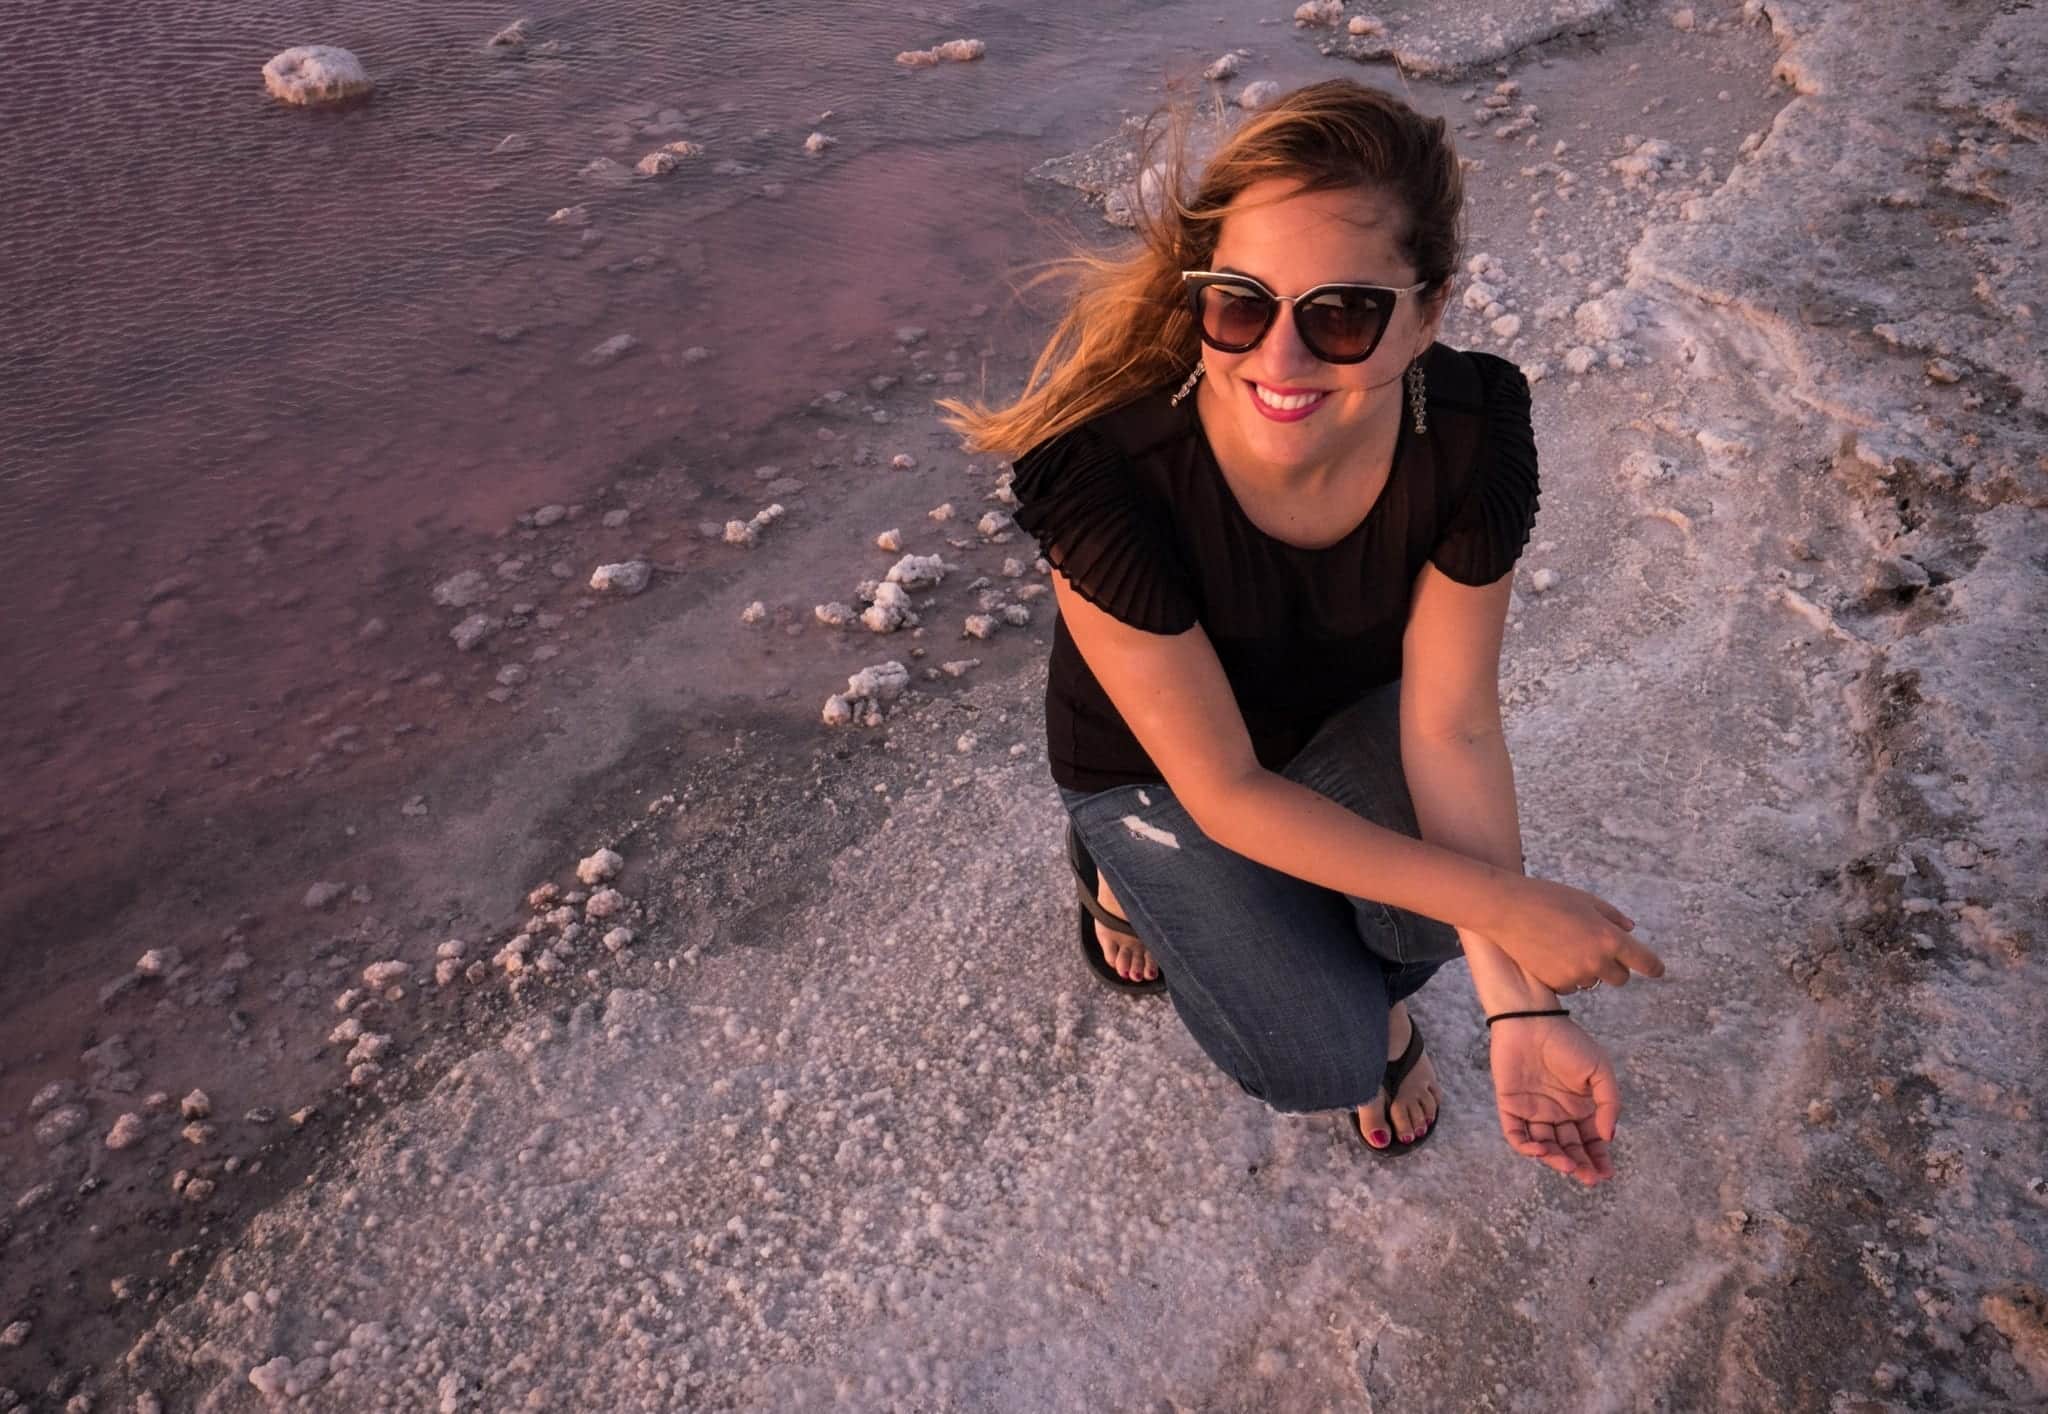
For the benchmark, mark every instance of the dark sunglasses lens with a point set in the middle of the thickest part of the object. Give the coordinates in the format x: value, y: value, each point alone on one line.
x: 1342, y: 324
x: 1233, y: 315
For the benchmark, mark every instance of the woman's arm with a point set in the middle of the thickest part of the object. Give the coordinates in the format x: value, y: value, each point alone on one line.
x: 1454, y: 753
x: 1171, y: 690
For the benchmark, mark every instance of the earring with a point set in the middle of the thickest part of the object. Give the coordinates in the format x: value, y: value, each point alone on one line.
x: 1415, y: 395
x: 1189, y: 386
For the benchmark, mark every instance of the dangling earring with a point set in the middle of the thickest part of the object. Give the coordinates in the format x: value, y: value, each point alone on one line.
x: 1415, y: 394
x: 1189, y: 386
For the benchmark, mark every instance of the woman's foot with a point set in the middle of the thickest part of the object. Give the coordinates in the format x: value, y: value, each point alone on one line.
x: 1414, y: 1109
x: 1123, y: 950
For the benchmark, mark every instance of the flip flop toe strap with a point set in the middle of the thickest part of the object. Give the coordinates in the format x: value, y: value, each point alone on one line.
x: 1084, y: 886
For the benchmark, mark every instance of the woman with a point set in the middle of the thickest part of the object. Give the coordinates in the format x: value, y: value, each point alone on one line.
x: 1282, y: 522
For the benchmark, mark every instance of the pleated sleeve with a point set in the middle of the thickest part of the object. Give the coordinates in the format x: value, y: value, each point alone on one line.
x: 1486, y: 531
x: 1078, y: 496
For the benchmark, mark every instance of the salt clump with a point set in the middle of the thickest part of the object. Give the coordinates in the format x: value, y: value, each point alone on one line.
x: 1257, y: 95
x: 315, y: 73
x: 610, y: 351
x: 61, y: 1124
x: 917, y: 571
x: 629, y: 577
x: 663, y: 160
x: 599, y: 867
x: 745, y: 532
x: 157, y: 961
x: 1649, y: 156
x: 957, y: 50
x: 512, y: 36
x: 881, y: 681
x: 459, y: 591
x: 890, y: 611
x: 1604, y: 318
x: 818, y: 142
x: 890, y: 540
x: 834, y: 615
x: 866, y: 692
x: 1319, y: 12
x: 1223, y: 68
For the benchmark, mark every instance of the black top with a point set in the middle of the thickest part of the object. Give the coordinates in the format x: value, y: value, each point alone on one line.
x: 1132, y: 508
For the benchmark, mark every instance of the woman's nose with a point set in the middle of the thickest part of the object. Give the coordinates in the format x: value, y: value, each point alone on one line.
x: 1283, y: 349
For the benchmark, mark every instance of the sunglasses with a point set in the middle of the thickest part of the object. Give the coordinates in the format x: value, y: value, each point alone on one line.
x: 1339, y: 323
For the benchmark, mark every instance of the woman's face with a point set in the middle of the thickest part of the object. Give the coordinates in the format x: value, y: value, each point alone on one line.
x: 1307, y: 239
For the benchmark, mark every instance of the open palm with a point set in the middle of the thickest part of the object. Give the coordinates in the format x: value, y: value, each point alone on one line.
x: 1555, y: 1089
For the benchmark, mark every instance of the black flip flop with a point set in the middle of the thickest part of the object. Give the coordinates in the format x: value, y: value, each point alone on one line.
x: 1397, y: 1071
x: 1092, y: 912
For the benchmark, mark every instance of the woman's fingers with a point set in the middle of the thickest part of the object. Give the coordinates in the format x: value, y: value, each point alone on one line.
x: 1606, y: 1102
x: 1612, y: 914
x: 1635, y: 955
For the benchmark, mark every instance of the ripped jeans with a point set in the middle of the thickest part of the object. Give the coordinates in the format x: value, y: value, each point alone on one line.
x: 1283, y: 983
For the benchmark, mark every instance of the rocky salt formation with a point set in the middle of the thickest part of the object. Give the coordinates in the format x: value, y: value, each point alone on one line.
x: 663, y: 160
x: 957, y: 51
x: 609, y: 352
x: 625, y: 579
x: 747, y: 532
x: 1257, y: 94
x: 867, y: 693
x: 316, y: 74
x: 917, y: 571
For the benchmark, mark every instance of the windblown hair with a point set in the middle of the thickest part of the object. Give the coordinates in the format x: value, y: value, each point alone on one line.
x: 1127, y: 327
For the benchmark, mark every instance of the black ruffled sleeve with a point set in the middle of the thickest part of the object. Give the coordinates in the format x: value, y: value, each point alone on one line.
x: 1488, y: 528
x: 1078, y: 497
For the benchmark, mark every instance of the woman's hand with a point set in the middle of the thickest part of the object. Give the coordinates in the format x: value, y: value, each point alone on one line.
x: 1566, y: 938
x: 1555, y: 1089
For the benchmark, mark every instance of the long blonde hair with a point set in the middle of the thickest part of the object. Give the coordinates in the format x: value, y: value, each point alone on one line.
x: 1127, y: 328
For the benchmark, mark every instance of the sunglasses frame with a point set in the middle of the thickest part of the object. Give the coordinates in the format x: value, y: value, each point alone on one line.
x: 1196, y: 281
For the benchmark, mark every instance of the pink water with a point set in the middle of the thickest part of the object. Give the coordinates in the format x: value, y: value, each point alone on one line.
x: 267, y: 374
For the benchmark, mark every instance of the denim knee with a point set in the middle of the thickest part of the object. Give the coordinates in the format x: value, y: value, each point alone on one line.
x: 1337, y: 1082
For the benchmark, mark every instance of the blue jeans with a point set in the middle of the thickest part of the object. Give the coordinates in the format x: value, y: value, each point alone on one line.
x: 1284, y: 984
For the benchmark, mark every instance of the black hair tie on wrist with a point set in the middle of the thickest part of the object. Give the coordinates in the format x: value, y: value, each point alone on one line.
x: 1506, y: 1014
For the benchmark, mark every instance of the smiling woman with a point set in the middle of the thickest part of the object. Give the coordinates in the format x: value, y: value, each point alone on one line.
x: 1272, y: 709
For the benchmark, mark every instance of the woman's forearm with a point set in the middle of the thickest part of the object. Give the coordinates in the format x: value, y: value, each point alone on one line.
x: 1286, y: 826
x: 1464, y: 797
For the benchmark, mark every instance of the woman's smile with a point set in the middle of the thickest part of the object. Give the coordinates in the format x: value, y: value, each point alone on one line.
x: 1286, y: 404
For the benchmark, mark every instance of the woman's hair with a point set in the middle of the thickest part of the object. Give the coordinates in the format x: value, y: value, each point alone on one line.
x: 1127, y: 327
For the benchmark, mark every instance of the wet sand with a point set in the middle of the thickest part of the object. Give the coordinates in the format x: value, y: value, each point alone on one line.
x: 847, y: 1121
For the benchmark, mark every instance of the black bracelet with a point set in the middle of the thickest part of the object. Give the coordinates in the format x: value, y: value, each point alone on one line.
x: 1506, y: 1014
